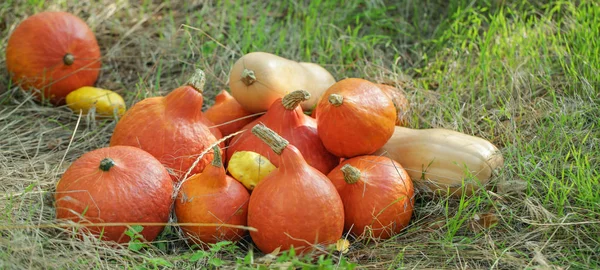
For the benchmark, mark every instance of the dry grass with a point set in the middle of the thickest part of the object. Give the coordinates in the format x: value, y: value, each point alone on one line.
x: 524, y: 100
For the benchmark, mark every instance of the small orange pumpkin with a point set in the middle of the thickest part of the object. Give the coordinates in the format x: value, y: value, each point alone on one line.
x: 355, y: 118
x: 377, y: 194
x: 295, y: 205
x: 398, y: 97
x: 53, y: 52
x: 119, y: 184
x: 212, y: 197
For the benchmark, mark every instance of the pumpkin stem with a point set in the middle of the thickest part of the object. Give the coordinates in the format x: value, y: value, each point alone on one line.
x: 197, y: 80
x: 336, y: 99
x: 68, y: 59
x: 351, y: 174
x: 217, y: 162
x: 248, y: 77
x: 293, y: 99
x: 106, y: 164
x: 272, y: 139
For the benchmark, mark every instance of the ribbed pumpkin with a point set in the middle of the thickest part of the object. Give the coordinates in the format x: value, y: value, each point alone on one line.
x: 119, y: 184
x: 354, y: 118
x: 53, y: 52
x: 171, y: 128
x: 212, y: 197
x: 377, y: 194
x: 286, y: 118
x: 295, y: 205
x: 227, y: 114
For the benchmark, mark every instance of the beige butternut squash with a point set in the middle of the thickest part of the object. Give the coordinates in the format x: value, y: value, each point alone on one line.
x: 444, y: 160
x: 257, y: 79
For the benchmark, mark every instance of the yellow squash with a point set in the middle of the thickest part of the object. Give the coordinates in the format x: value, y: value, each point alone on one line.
x: 444, y: 160
x: 106, y: 103
x: 249, y: 168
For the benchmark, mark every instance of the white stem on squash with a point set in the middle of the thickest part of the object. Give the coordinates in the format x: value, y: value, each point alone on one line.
x: 336, y: 99
x: 248, y: 77
x: 293, y: 99
x: 197, y: 80
x: 270, y: 137
x: 217, y: 162
x: 351, y: 174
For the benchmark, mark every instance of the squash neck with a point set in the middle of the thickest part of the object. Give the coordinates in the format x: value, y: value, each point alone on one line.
x: 184, y: 102
x: 187, y: 100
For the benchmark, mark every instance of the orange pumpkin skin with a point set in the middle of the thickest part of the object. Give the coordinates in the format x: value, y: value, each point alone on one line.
x: 400, y: 101
x: 227, y: 114
x: 55, y: 52
x: 295, y: 205
x: 355, y: 118
x: 212, y: 197
x: 380, y: 199
x: 136, y: 189
x: 293, y: 125
x: 171, y: 128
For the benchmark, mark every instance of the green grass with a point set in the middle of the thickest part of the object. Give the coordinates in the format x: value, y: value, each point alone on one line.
x: 522, y: 74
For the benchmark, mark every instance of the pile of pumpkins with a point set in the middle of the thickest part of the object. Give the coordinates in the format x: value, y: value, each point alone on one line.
x: 289, y: 154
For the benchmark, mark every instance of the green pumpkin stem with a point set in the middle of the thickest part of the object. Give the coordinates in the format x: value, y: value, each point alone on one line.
x: 270, y: 137
x: 217, y: 162
x: 293, y: 99
x: 248, y: 77
x: 351, y: 174
x: 336, y: 99
x: 106, y: 164
x: 197, y: 80
x: 68, y: 59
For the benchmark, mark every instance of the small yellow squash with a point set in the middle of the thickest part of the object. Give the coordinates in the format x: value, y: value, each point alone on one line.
x: 249, y: 168
x: 106, y: 103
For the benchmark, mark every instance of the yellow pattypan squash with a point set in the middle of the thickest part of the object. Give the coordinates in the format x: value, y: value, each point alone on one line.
x: 106, y: 103
x: 249, y: 168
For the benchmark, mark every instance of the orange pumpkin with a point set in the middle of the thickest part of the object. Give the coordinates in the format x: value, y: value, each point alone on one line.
x: 355, y: 118
x: 120, y: 184
x: 171, y: 128
x: 400, y: 101
x: 377, y: 194
x: 52, y: 54
x: 212, y: 197
x: 227, y: 114
x: 398, y: 97
x: 295, y: 205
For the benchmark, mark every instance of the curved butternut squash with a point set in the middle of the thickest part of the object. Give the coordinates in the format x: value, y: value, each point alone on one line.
x: 444, y: 160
